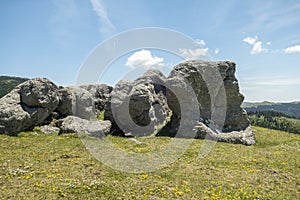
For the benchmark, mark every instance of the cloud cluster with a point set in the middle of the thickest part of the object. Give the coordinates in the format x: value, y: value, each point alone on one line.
x: 144, y: 58
x: 292, y: 49
x: 256, y: 45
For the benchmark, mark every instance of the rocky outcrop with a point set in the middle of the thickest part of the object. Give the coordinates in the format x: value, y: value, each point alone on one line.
x: 28, y: 105
x: 218, y: 99
x: 72, y: 124
x: 37, y: 101
x: 138, y: 107
x: 215, y: 86
x: 199, y: 99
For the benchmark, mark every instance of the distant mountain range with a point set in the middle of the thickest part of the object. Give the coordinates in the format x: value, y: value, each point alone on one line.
x: 292, y: 109
x: 7, y: 83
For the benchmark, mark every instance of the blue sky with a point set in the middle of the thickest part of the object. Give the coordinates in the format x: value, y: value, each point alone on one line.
x: 52, y: 38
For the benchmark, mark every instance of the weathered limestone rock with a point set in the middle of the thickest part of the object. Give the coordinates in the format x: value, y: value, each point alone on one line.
x: 76, y: 101
x: 101, y: 94
x: 140, y: 106
x: 199, y: 99
x: 28, y: 105
x: 219, y: 101
x: 202, y: 76
x: 202, y: 96
x: 84, y: 101
x: 72, y: 124
x: 49, y: 129
x: 245, y: 136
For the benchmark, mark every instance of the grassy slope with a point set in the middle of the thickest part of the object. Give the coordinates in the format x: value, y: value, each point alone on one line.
x: 54, y: 167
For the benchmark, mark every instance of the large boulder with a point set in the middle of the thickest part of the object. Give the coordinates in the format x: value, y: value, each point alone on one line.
x: 215, y: 86
x: 72, y: 124
x: 218, y: 99
x: 85, y: 101
x: 28, y: 105
x: 76, y: 101
x: 138, y: 107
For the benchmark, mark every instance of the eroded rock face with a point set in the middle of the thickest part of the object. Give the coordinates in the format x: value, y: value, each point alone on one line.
x: 208, y: 79
x: 198, y: 99
x: 72, y: 124
x: 85, y: 101
x: 219, y: 101
x: 202, y: 96
x: 101, y: 94
x: 76, y: 101
x: 140, y: 106
x: 28, y: 105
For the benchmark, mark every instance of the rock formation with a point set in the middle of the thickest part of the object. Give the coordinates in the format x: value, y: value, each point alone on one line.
x: 199, y: 99
x: 37, y: 101
x: 28, y: 105
x: 217, y: 91
x: 138, y: 107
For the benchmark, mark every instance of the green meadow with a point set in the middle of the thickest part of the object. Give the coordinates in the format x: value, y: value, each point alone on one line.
x: 40, y: 166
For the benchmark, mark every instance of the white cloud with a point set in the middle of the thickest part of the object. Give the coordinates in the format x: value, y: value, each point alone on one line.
x: 200, y: 43
x: 250, y: 40
x: 107, y: 26
x: 269, y: 43
x: 194, y: 54
x: 257, y: 48
x: 292, y: 49
x: 143, y: 58
x: 217, y: 50
x: 256, y: 45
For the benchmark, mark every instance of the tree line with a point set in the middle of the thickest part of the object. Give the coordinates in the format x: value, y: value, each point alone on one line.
x: 273, y: 120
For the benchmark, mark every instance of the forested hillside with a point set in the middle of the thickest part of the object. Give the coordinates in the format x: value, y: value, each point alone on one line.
x: 292, y: 109
x: 7, y: 83
x: 274, y: 120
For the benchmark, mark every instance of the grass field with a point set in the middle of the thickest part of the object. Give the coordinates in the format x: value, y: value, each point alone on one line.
x: 59, y: 167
